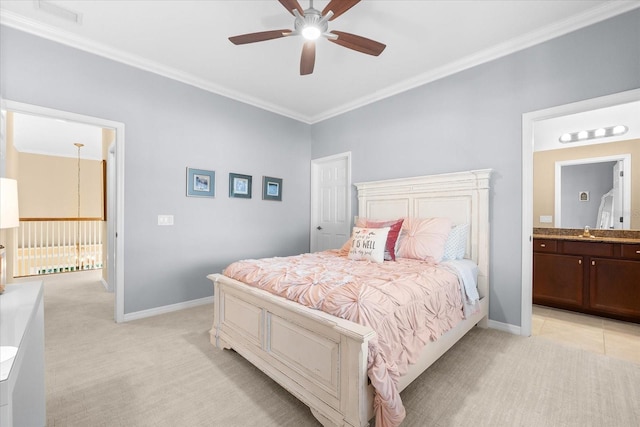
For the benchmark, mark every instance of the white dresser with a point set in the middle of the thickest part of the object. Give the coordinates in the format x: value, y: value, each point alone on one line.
x: 22, y: 392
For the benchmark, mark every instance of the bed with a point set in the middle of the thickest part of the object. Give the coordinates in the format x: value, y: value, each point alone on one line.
x: 322, y: 359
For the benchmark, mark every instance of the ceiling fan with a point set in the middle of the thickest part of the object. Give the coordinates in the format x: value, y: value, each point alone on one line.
x: 313, y: 24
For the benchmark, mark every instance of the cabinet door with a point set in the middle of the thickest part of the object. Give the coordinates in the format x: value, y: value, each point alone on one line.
x: 558, y: 280
x: 614, y: 287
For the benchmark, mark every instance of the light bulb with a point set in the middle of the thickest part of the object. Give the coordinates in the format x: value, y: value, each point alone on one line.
x: 598, y: 133
x: 311, y: 32
x: 619, y: 130
x: 566, y: 137
x: 583, y: 134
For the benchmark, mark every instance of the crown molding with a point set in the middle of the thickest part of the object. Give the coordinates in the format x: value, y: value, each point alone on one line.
x: 13, y: 20
x: 592, y: 16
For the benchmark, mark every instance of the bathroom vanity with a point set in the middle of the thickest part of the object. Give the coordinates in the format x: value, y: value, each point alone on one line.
x: 593, y: 275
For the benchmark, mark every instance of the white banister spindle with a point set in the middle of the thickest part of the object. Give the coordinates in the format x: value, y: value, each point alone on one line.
x: 53, y: 246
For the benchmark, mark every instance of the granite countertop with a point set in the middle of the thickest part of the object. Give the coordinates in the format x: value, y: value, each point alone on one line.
x: 611, y: 236
x: 588, y: 239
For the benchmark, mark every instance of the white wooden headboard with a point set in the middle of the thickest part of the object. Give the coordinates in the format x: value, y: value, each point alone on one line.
x: 461, y: 196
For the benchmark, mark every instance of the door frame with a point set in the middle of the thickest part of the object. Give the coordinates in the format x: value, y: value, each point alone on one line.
x: 115, y: 204
x: 315, y: 166
x: 528, y: 122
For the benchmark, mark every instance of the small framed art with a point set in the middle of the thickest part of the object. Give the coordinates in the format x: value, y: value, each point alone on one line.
x: 583, y: 196
x: 239, y: 185
x: 271, y: 188
x: 201, y: 183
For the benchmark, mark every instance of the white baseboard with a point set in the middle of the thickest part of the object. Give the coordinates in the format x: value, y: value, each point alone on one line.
x: 106, y: 285
x: 167, y: 309
x: 504, y: 327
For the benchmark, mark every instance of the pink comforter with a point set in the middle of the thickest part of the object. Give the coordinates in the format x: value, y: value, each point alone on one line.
x: 407, y: 302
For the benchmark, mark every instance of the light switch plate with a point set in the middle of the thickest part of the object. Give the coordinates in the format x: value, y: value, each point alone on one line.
x: 165, y: 219
x: 546, y: 219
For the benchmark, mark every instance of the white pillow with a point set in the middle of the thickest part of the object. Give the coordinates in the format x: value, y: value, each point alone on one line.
x: 456, y: 244
x: 368, y: 243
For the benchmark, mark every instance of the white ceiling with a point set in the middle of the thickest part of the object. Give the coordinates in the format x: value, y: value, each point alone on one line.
x: 44, y: 135
x: 187, y: 40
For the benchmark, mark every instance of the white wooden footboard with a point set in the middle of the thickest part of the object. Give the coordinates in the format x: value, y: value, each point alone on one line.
x: 320, y: 359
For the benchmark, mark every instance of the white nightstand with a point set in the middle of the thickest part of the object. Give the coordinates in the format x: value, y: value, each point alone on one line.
x: 22, y: 392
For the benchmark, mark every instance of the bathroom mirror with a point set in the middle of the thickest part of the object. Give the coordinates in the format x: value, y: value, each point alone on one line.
x: 594, y: 192
x: 577, y: 186
x: 586, y: 169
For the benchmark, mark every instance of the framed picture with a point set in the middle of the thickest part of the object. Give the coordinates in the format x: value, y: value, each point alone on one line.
x: 201, y: 183
x: 271, y: 188
x: 239, y: 185
x: 583, y: 196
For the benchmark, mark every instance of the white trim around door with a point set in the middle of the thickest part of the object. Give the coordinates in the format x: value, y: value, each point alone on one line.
x: 528, y: 121
x: 117, y: 203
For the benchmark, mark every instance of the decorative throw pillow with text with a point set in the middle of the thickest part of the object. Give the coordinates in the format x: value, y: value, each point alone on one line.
x: 368, y: 243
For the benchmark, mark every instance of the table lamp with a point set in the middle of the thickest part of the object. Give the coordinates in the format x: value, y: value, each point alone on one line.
x: 9, y: 218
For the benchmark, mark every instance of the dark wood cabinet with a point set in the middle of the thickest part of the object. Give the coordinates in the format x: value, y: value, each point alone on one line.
x: 600, y: 278
x: 558, y: 280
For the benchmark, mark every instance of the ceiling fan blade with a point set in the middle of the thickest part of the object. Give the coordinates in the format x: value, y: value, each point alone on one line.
x: 339, y: 7
x: 359, y: 43
x: 292, y: 4
x: 258, y: 37
x: 308, y: 59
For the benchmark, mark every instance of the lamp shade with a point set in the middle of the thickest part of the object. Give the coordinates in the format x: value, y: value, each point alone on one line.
x: 9, y: 216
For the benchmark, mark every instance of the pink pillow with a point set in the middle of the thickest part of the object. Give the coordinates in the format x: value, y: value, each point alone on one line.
x: 394, y: 232
x: 424, y: 238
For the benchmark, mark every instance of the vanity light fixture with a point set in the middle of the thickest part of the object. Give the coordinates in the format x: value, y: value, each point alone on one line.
x: 584, y: 135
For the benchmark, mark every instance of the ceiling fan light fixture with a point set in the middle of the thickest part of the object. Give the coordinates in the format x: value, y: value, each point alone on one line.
x: 313, y: 24
x: 311, y: 32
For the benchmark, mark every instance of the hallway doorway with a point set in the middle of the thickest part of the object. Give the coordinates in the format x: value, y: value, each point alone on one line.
x: 111, y: 210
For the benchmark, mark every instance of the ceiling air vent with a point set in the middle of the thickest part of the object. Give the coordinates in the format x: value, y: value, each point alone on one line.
x: 58, y: 11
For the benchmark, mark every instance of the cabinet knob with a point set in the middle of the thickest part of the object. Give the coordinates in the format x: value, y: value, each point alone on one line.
x: 638, y: 252
x: 593, y: 263
x: 542, y: 245
x: 579, y: 261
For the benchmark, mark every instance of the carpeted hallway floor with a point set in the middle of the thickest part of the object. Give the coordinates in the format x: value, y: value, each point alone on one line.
x: 162, y: 371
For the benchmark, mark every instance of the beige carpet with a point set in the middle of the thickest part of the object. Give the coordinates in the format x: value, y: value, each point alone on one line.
x: 162, y: 371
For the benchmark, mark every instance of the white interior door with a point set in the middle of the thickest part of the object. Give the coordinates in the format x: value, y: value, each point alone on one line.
x: 330, y: 202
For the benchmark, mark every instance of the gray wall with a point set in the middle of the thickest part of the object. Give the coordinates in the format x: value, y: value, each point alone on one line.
x: 473, y: 120
x: 169, y: 126
x: 597, y: 179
